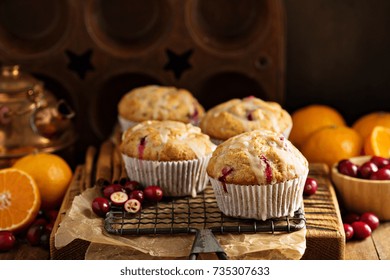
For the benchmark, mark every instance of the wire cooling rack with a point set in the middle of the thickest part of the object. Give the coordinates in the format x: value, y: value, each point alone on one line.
x: 189, y: 215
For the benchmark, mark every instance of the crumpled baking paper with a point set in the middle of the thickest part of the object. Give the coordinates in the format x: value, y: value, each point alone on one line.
x: 81, y: 223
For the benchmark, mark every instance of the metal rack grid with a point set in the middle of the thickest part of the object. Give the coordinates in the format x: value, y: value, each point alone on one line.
x: 189, y: 215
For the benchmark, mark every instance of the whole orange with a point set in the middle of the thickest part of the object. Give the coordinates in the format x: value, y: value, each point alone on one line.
x: 331, y: 144
x: 308, y: 119
x: 51, y: 173
x: 365, y: 124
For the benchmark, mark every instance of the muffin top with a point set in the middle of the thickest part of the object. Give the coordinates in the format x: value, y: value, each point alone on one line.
x: 160, y: 103
x: 241, y: 115
x: 166, y: 141
x: 256, y: 158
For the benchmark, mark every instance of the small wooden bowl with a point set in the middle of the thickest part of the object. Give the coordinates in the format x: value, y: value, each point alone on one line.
x: 360, y: 195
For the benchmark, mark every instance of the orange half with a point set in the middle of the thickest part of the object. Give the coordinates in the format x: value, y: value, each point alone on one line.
x: 20, y: 200
x: 378, y: 142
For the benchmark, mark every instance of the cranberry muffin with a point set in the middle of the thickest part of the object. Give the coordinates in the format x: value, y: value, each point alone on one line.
x: 237, y: 116
x: 258, y: 174
x: 154, y: 102
x: 171, y: 154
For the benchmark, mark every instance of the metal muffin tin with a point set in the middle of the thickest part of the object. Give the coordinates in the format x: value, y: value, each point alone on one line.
x: 92, y: 52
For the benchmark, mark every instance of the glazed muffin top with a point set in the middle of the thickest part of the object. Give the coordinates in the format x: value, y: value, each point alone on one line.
x: 256, y: 158
x: 166, y: 141
x: 241, y: 115
x: 160, y: 103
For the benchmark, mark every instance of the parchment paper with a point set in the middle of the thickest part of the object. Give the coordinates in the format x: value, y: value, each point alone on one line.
x: 80, y: 222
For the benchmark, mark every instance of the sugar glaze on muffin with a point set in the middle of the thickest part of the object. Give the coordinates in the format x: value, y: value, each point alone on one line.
x: 166, y: 141
x: 256, y: 158
x: 237, y: 116
x: 155, y: 102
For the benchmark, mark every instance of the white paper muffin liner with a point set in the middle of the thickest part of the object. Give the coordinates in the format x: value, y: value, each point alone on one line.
x: 260, y: 202
x: 125, y: 124
x: 176, y: 178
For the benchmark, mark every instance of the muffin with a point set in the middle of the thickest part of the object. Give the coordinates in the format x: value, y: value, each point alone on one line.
x: 259, y: 175
x: 237, y: 116
x: 158, y: 103
x: 171, y: 154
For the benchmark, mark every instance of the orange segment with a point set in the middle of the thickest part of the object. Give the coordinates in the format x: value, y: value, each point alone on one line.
x: 365, y: 124
x: 378, y: 142
x: 19, y: 199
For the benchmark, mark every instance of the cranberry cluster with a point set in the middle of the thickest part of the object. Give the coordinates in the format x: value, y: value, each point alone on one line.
x: 359, y: 226
x: 376, y: 168
x: 37, y: 234
x: 129, y: 196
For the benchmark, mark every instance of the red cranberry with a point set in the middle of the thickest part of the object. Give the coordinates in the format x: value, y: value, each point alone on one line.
x: 40, y: 222
x: 386, y: 166
x: 138, y: 195
x: 34, y: 234
x: 361, y: 230
x: 310, y: 187
x: 141, y: 147
x: 110, y: 189
x: 131, y: 186
x: 7, y: 240
x: 267, y: 170
x: 119, y: 198
x: 370, y: 219
x: 249, y: 116
x: 348, y: 168
x: 381, y: 174
x: 225, y: 172
x: 132, y: 206
x: 51, y: 215
x: 153, y: 193
x: 350, y: 218
x: 44, y: 240
x: 366, y: 169
x: 101, y: 206
x: 348, y: 229
x: 380, y: 161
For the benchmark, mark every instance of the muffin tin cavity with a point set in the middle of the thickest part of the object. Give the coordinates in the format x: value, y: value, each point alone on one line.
x: 127, y: 26
x: 32, y: 27
x: 232, y: 84
x: 108, y: 94
x: 227, y: 25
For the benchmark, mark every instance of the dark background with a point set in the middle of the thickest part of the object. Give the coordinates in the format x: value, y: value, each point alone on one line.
x: 338, y: 53
x: 331, y: 52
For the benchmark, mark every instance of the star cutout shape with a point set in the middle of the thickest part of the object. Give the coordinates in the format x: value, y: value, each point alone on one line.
x: 80, y: 63
x: 178, y: 63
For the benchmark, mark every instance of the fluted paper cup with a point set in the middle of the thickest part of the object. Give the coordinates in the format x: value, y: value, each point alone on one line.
x: 260, y: 202
x: 125, y: 124
x: 176, y: 178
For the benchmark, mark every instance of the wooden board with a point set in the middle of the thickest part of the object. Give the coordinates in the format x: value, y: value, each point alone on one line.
x: 325, y: 236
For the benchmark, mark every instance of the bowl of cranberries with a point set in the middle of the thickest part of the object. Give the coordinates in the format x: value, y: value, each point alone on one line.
x: 363, y: 184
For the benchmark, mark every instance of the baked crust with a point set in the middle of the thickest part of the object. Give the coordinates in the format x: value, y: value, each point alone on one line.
x: 257, y: 158
x: 241, y: 115
x: 160, y: 103
x: 166, y: 141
